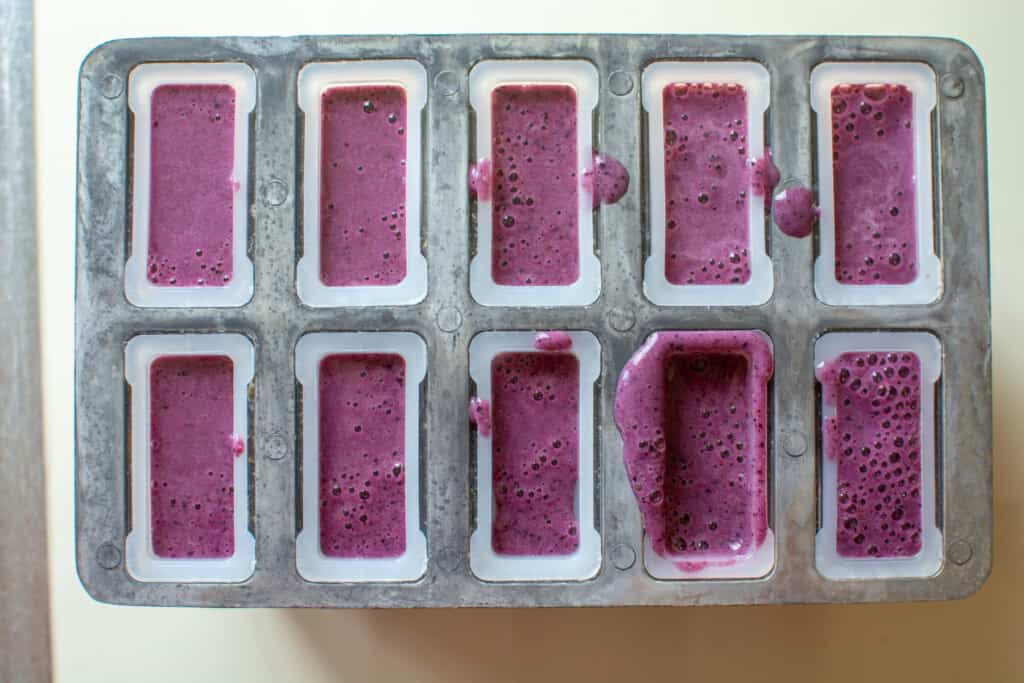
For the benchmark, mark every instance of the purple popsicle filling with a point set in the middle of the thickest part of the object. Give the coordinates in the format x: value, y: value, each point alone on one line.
x: 691, y: 408
x: 191, y: 456
x: 535, y: 208
x: 707, y: 178
x: 873, y: 172
x: 875, y: 439
x: 362, y: 185
x: 794, y: 211
x: 362, y: 455
x: 191, y: 189
x: 535, y: 414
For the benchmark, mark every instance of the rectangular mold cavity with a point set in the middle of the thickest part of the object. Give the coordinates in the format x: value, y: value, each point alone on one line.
x: 376, y: 442
x: 694, y: 409
x: 535, y: 242
x: 506, y: 545
x: 712, y: 196
x: 875, y: 193
x: 880, y: 452
x: 189, y: 427
x: 189, y: 214
x: 361, y: 180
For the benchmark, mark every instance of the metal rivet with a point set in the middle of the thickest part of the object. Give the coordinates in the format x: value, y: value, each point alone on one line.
x: 447, y: 83
x: 108, y: 556
x: 449, y: 319
x: 112, y: 86
x: 952, y: 86
x: 960, y: 552
x: 449, y: 559
x: 623, y: 556
x: 275, y: 192
x: 794, y: 444
x: 620, y: 83
x: 621, y: 319
x: 277, y: 446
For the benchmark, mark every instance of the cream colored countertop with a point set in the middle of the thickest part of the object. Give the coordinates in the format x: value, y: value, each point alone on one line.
x: 978, y: 639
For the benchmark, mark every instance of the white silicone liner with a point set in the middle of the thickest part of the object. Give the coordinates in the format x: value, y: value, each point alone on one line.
x: 920, y: 80
x: 142, y: 562
x: 755, y: 80
x: 582, y: 76
x: 929, y: 560
x: 311, y: 563
x: 142, y: 81
x: 756, y: 565
x: 313, y: 80
x: 586, y: 561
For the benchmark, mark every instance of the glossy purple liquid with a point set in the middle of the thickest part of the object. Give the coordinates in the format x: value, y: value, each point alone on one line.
x: 362, y: 455
x: 707, y: 181
x: 691, y: 408
x: 191, y: 456
x: 873, y: 171
x: 362, y: 185
x: 875, y: 439
x: 535, y: 414
x: 535, y: 209
x: 191, y: 189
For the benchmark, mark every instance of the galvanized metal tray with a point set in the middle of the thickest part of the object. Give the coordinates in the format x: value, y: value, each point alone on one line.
x: 449, y: 318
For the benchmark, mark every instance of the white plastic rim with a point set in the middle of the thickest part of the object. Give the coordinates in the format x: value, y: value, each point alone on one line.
x: 142, y: 81
x: 313, y: 80
x: 928, y: 561
x: 310, y: 561
x: 755, y: 80
x: 583, y: 77
x: 755, y: 566
x: 586, y: 561
x: 920, y: 80
x: 142, y: 563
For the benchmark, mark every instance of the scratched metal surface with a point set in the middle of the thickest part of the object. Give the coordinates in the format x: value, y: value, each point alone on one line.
x: 448, y: 319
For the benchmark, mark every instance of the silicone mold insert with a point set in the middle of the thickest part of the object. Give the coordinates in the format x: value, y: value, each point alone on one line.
x: 878, y: 466
x: 189, y: 470
x: 535, y: 234
x: 535, y: 470
x: 692, y: 410
x: 190, y: 185
x: 876, y: 235
x: 361, y: 456
x: 362, y: 176
x: 705, y: 127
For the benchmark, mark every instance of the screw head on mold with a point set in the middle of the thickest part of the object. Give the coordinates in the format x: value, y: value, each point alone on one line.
x: 621, y: 319
x: 449, y: 319
x: 620, y: 83
x: 108, y: 556
x: 275, y: 192
x: 952, y: 86
x: 447, y: 83
x: 111, y: 86
x: 960, y: 552
x: 277, y: 447
x: 623, y: 556
x: 449, y: 560
x: 794, y: 444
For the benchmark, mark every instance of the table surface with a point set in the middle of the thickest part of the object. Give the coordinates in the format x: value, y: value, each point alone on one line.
x: 973, y: 639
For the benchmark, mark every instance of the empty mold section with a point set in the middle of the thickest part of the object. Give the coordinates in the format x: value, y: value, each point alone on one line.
x: 361, y: 456
x: 705, y: 129
x: 876, y: 238
x: 362, y: 176
x: 535, y: 466
x: 189, y: 471
x: 878, y: 466
x: 692, y: 411
x: 190, y: 184
x: 534, y: 137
